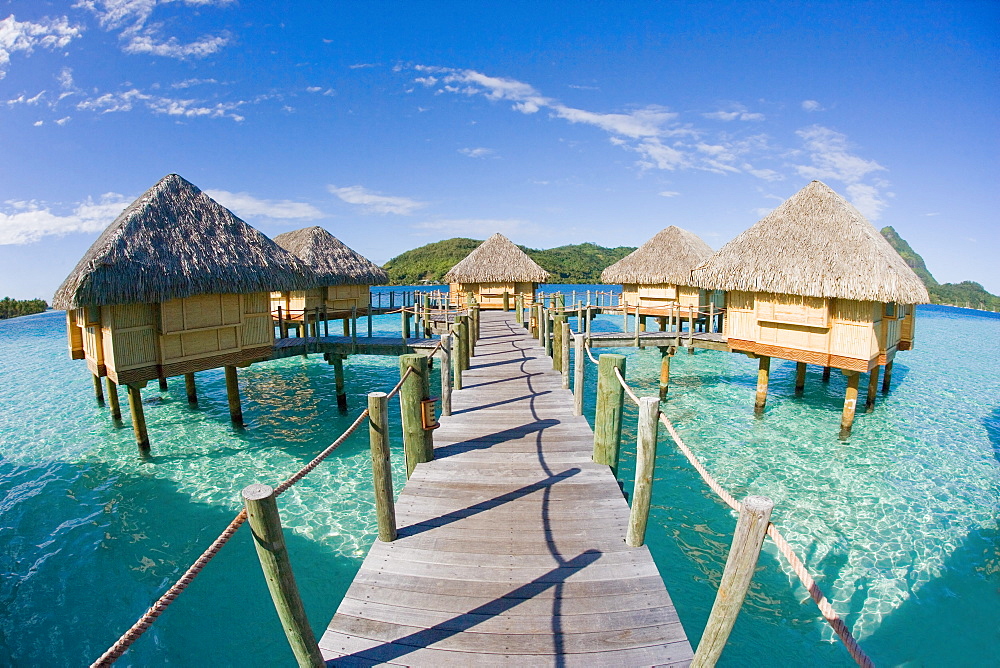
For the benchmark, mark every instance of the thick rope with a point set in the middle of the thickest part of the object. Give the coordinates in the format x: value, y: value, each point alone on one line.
x: 628, y: 390
x: 394, y: 391
x: 829, y: 614
x: 591, y: 355
x: 305, y: 470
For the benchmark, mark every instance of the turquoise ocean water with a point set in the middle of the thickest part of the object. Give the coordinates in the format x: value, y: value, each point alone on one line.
x: 900, y: 524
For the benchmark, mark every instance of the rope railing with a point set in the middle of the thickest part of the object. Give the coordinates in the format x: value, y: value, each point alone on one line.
x: 143, y: 624
x: 825, y: 608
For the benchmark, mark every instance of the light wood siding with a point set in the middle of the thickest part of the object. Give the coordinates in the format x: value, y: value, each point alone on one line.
x: 741, y: 321
x: 130, y: 336
x: 344, y: 297
x: 853, y: 331
x: 908, y: 324
x: 255, y: 302
x: 490, y: 295
x: 74, y: 336
x: 799, y: 337
x: 93, y: 346
x: 793, y: 310
x: 526, y: 289
x: 688, y: 296
x: 630, y: 294
x: 658, y: 291
x: 258, y: 330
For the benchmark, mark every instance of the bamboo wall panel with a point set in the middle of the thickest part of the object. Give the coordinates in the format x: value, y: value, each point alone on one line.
x: 134, y: 347
x: 740, y: 300
x: 172, y: 316
x: 855, y: 340
x: 907, y: 326
x: 793, y: 310
x: 92, y: 346
x: 258, y: 330
x: 126, y: 316
x: 256, y: 302
x: 659, y: 291
x: 202, y: 311
x: 688, y: 296
x: 741, y: 325
x: 849, y: 310
x: 75, y: 336
x: 892, y: 330
x: 801, y: 337
x: 528, y: 290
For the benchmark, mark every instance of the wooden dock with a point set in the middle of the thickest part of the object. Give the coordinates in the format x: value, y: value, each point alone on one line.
x: 511, y: 547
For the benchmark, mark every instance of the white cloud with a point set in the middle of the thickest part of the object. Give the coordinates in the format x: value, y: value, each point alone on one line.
x: 38, y: 123
x: 657, y: 154
x: 360, y: 66
x: 762, y: 211
x: 372, y: 202
x: 24, y: 222
x: 131, y: 18
x: 188, y: 83
x: 185, y: 108
x: 314, y: 89
x: 831, y: 158
x: 473, y: 227
x: 65, y: 78
x: 63, y: 121
x: 669, y: 193
x: 867, y: 199
x: 737, y: 112
x: 246, y: 205
x: 811, y: 105
x: 26, y: 36
x: 478, y: 152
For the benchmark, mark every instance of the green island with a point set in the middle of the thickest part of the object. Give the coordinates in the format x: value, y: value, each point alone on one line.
x: 583, y: 263
x: 12, y: 308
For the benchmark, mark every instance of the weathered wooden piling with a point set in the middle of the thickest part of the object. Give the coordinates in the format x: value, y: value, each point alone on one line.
x: 564, y: 339
x: 98, y: 390
x: 872, y: 389
x: 418, y: 443
x: 116, y: 408
x: 665, y: 355
x: 887, y: 378
x: 462, y: 321
x: 405, y: 324
x: 506, y: 301
x: 233, y: 394
x: 763, y: 373
x: 191, y: 389
x: 163, y: 384
x: 557, y: 340
x: 645, y: 461
x: 446, y: 373
x: 337, y: 361
x: 800, y: 377
x: 378, y: 437
x: 850, y: 404
x: 608, y: 416
x: 755, y: 514
x: 519, y: 306
x: 826, y: 374
x: 269, y: 539
x: 579, y: 373
x: 138, y: 418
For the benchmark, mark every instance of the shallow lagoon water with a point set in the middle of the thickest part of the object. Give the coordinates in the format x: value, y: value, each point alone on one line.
x: 899, y: 523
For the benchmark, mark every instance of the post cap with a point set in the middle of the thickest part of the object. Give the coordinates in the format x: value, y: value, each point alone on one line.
x: 257, y: 491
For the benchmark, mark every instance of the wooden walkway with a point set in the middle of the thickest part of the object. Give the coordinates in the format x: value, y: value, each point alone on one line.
x: 511, y: 549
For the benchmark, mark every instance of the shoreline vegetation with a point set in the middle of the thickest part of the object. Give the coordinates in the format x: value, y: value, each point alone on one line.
x: 13, y: 308
x: 583, y: 264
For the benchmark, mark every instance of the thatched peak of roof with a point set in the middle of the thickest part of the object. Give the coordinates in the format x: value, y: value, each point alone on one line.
x: 814, y: 244
x: 332, y: 261
x: 497, y: 260
x: 176, y: 241
x: 668, y: 257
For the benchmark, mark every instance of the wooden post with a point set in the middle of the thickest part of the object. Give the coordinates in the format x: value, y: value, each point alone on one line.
x: 579, y: 373
x: 163, y: 384
x: 369, y: 314
x: 233, y: 394
x: 378, y: 438
x: 506, y: 301
x: 664, y: 373
x: 347, y: 326
x: 826, y: 374
x: 116, y: 408
x: 268, y: 538
x: 519, y: 306
x: 191, y: 388
x: 711, y: 317
x: 637, y: 327
x: 405, y: 326
x: 564, y: 338
x: 589, y: 318
x: 98, y: 390
x: 428, y: 320
x: 446, y: 374
x: 755, y: 514
x: 338, y: 377
x: 418, y: 443
x: 474, y: 330
x: 691, y: 330
x: 456, y: 358
x: 557, y: 340
x: 354, y: 329
x: 608, y: 417
x: 800, y: 377
x: 138, y: 418
x: 547, y: 333
x: 872, y: 389
x: 462, y: 363
x: 625, y: 318
x: 850, y: 403
x: 886, y: 379
x: 645, y: 461
x: 282, y: 328
x: 642, y: 320
x: 763, y: 371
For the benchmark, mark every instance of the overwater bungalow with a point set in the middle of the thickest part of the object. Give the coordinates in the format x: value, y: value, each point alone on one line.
x: 175, y: 285
x: 656, y: 277
x: 814, y: 282
x: 494, y: 269
x: 345, y: 276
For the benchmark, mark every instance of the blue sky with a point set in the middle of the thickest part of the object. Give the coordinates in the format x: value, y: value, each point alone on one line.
x: 397, y: 124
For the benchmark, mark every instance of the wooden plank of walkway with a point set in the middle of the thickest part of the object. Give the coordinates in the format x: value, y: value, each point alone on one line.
x: 511, y: 548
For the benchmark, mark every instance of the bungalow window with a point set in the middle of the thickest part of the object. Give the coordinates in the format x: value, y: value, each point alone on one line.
x: 890, y: 310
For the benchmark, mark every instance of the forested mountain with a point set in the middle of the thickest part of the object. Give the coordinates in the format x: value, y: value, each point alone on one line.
x: 576, y: 263
x: 967, y: 293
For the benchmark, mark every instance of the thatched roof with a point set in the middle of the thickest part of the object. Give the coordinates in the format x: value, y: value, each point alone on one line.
x: 332, y: 261
x: 176, y: 241
x: 814, y: 244
x: 668, y: 257
x: 495, y: 261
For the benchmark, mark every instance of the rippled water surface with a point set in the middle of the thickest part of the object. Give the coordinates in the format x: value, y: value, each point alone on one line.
x: 899, y: 523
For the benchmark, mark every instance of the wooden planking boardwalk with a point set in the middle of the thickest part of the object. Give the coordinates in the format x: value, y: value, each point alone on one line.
x: 511, y: 547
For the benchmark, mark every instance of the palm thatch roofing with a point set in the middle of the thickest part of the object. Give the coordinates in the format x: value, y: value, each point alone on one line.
x: 176, y: 241
x: 497, y: 260
x: 332, y: 261
x: 668, y: 257
x: 815, y: 244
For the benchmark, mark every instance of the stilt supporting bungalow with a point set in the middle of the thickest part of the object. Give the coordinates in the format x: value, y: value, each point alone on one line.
x: 800, y: 377
x: 815, y: 283
x: 872, y: 389
x: 116, y: 408
x: 233, y: 395
x: 887, y: 378
x: 338, y: 373
x: 163, y: 384
x: 191, y: 389
x: 98, y: 390
x: 763, y: 374
x: 850, y: 403
x: 826, y: 374
x: 138, y: 418
x: 666, y: 354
